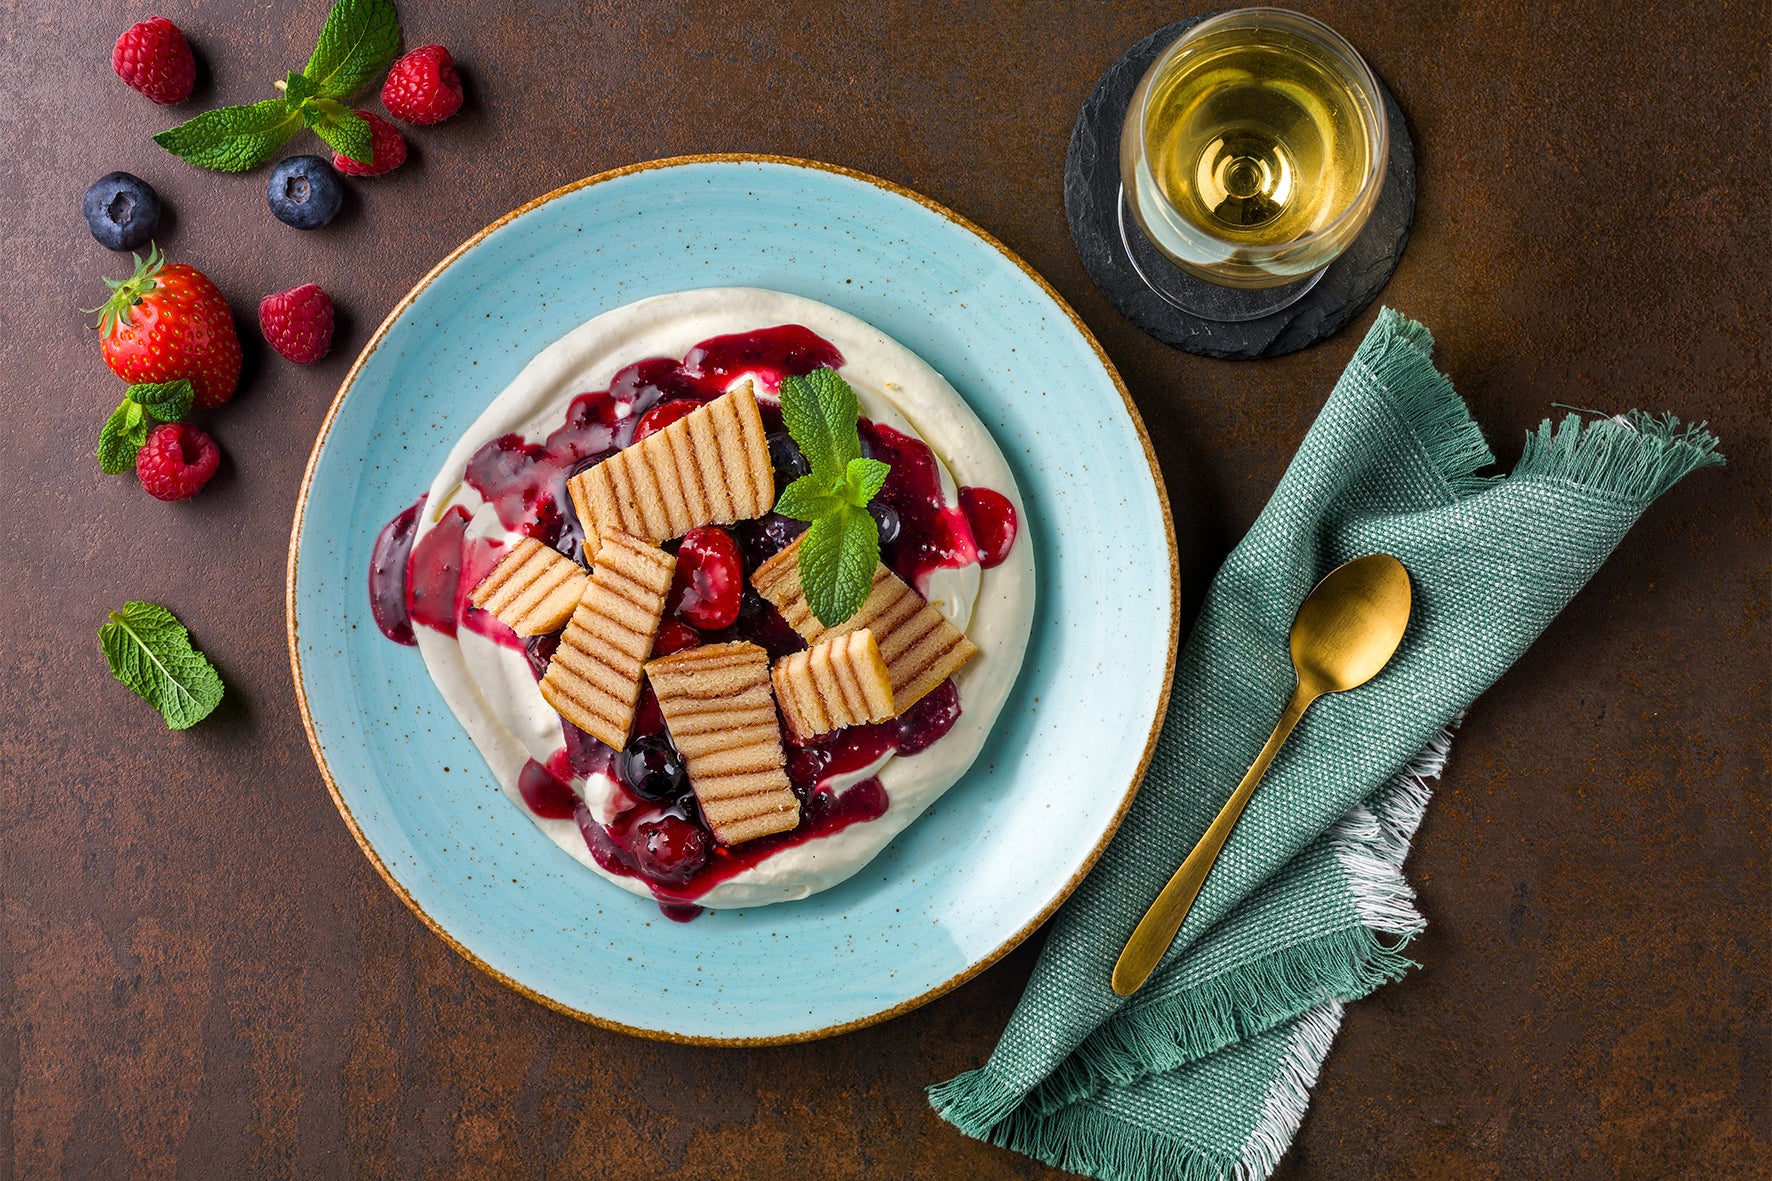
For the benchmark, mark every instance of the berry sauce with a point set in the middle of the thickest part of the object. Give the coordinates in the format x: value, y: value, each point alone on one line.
x: 387, y: 575
x: 933, y: 534
x: 546, y: 793
x: 663, y: 840
x: 435, y: 589
x: 993, y: 523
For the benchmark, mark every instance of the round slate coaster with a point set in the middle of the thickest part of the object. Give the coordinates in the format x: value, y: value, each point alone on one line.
x: 1313, y: 308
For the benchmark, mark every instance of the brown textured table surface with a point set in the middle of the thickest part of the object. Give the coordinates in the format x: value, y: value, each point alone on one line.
x: 201, y: 975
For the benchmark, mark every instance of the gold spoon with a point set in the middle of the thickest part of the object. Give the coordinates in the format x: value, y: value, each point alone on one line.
x: 1344, y: 633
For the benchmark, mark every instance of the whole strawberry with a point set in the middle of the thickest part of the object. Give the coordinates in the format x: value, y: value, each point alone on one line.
x: 423, y: 86
x: 388, y: 150
x: 298, y: 323
x: 176, y: 461
x: 154, y: 58
x: 166, y: 322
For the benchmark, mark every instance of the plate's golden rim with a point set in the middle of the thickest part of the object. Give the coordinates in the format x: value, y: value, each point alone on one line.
x: 1008, y: 944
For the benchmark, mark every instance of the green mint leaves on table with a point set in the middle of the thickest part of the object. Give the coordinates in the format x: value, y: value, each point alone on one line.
x: 144, y: 405
x: 359, y: 39
x: 150, y: 651
x: 841, y: 548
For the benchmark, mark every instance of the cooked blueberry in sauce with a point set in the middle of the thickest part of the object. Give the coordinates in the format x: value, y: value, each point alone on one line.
x: 653, y: 769
x: 790, y: 464
x: 886, y: 517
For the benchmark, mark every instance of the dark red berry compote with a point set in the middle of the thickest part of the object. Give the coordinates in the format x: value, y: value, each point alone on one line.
x: 634, y: 808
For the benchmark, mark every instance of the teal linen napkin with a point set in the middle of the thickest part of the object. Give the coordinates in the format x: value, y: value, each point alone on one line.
x: 1205, y: 1072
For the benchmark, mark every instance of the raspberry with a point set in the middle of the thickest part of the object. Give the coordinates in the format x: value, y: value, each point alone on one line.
x: 423, y: 86
x: 387, y: 150
x: 154, y: 58
x: 298, y: 323
x: 176, y: 461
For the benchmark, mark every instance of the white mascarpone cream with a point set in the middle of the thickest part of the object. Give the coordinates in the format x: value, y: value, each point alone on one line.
x: 492, y: 691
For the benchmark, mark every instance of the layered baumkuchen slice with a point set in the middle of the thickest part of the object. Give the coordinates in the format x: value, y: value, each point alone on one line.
x: 593, y: 680
x: 839, y: 681
x: 709, y: 467
x: 533, y: 589
x: 920, y: 647
x: 717, y: 703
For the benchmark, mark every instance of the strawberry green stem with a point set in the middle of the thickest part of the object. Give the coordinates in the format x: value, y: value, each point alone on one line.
x: 126, y: 293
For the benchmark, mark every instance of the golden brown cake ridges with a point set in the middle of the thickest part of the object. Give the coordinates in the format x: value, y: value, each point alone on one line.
x: 920, y: 647
x: 709, y: 467
x: 718, y: 705
x: 593, y: 680
x: 839, y: 681
x: 533, y: 589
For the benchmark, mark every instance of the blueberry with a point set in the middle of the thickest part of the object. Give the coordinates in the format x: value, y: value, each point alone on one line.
x: 886, y: 517
x: 122, y: 210
x: 790, y: 463
x: 304, y: 192
x: 766, y: 536
x: 653, y: 768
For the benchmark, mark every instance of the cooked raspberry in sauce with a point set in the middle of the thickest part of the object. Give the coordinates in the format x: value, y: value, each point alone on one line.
x: 655, y: 831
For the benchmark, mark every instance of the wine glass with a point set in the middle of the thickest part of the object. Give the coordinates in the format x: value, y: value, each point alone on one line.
x: 1251, y: 156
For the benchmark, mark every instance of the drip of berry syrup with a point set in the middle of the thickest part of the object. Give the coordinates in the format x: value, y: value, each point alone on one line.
x: 993, y: 522
x: 387, y: 575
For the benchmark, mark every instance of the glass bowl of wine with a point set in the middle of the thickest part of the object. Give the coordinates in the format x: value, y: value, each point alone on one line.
x: 1251, y: 156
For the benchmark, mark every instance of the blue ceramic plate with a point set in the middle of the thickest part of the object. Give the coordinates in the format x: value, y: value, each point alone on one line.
x: 995, y: 856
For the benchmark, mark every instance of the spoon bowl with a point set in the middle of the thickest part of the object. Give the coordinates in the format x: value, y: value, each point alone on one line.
x: 1351, y: 623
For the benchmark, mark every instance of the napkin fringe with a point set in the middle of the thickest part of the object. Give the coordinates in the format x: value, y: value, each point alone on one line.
x: 1282, y: 1111
x: 1398, y: 355
x: 976, y: 1102
x: 1100, y: 1143
x: 1369, y: 844
x: 1633, y: 456
x: 1252, y: 999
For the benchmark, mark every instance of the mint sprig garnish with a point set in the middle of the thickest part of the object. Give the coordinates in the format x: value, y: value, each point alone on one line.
x: 144, y: 405
x: 358, y: 40
x: 842, y: 546
x: 150, y: 651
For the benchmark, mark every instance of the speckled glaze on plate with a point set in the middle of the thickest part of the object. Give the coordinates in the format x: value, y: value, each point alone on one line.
x: 993, y: 857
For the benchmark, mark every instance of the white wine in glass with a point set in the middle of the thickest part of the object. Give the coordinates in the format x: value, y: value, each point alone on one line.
x: 1254, y: 148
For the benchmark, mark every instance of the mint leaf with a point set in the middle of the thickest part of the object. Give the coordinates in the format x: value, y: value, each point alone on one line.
x: 127, y: 428
x: 150, y: 651
x: 297, y: 89
x: 233, y: 139
x: 863, y: 479
x: 168, y: 401
x: 121, y: 439
x: 358, y: 40
x: 841, y: 549
x: 821, y: 412
x: 837, y: 562
x: 807, y: 498
x: 344, y: 131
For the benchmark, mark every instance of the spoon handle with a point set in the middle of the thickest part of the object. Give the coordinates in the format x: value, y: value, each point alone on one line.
x: 1156, y: 930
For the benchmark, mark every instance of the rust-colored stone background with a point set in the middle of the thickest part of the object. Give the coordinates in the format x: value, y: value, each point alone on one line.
x: 201, y: 976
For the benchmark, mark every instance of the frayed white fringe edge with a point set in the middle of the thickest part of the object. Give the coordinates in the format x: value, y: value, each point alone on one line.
x: 1289, y: 1095
x: 1369, y: 843
x: 1372, y: 840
